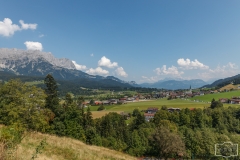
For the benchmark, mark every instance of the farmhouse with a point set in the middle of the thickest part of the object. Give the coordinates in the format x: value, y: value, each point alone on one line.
x: 223, y: 100
x: 235, y: 101
x: 150, y: 112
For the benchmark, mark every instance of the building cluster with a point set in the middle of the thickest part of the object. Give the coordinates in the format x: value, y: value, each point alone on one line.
x: 123, y: 100
x: 233, y: 100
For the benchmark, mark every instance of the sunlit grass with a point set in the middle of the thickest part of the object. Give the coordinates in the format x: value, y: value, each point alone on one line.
x: 217, y: 96
x: 62, y: 148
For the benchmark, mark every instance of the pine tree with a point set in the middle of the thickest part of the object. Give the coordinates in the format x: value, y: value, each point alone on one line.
x: 88, y: 118
x: 52, y: 100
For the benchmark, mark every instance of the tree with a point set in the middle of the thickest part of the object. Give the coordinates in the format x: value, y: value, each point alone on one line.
x: 88, y: 121
x: 216, y: 104
x: 24, y: 104
x: 100, y: 108
x: 52, y: 100
x: 167, y: 144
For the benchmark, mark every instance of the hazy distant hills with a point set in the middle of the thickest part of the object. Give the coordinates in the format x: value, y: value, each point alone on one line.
x: 175, y: 84
x: 39, y: 64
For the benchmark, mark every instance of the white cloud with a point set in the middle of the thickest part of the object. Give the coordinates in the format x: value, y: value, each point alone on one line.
x: 105, y: 62
x: 28, y: 26
x: 92, y: 55
x: 188, y: 64
x: 78, y: 66
x: 168, y: 71
x: 120, y: 72
x: 7, y: 28
x: 224, y: 71
x: 33, y: 45
x: 97, y: 71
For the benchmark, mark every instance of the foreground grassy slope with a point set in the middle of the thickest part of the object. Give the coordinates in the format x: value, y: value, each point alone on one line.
x: 62, y: 148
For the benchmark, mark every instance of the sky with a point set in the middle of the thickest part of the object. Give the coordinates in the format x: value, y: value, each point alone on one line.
x: 134, y: 40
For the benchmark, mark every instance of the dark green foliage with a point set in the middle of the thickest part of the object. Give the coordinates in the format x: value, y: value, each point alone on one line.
x: 167, y: 144
x: 216, y: 104
x: 101, y: 107
x: 52, y: 100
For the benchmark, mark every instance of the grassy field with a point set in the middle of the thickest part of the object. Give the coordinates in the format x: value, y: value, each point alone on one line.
x: 216, y: 96
x: 62, y: 148
x: 143, y: 105
x: 176, y: 103
x: 34, y: 82
x: 229, y: 86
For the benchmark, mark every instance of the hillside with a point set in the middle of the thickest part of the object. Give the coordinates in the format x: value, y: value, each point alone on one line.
x: 223, y: 82
x: 62, y: 148
x: 216, y: 96
x: 229, y: 87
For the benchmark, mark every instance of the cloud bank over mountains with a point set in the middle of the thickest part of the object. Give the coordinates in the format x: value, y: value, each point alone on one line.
x: 104, y: 67
x: 186, y: 66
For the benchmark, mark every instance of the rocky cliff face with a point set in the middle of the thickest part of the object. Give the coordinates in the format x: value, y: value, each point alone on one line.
x: 14, y: 58
x: 37, y: 63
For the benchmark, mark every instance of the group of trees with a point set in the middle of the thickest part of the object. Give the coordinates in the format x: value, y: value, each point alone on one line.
x: 188, y: 133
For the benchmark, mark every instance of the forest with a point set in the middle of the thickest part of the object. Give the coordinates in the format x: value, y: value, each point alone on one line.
x: 189, y: 134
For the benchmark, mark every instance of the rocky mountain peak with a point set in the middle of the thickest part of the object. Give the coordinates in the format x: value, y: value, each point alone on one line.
x: 23, y: 57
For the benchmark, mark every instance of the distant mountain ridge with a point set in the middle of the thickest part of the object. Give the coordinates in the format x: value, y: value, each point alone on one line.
x: 175, y: 84
x: 222, y: 82
x: 37, y: 63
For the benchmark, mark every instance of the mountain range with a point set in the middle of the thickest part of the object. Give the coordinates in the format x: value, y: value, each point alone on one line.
x: 35, y: 63
x: 174, y: 84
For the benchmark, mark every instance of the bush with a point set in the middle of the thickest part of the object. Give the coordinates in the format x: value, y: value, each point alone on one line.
x: 101, y: 108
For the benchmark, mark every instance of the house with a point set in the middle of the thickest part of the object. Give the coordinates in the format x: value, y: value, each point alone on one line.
x: 235, y: 101
x: 223, y: 100
x: 148, y: 116
x: 152, y: 110
x: 105, y: 102
x: 174, y: 109
x: 97, y: 102
x: 149, y: 113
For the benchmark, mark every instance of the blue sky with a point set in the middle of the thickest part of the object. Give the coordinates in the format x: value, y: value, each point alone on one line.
x: 144, y: 41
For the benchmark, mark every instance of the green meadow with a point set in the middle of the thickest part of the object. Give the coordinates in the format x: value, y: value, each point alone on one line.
x: 175, y: 103
x: 216, y: 96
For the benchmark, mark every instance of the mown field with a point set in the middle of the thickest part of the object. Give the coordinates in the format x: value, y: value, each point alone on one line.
x: 200, y: 102
x: 143, y: 105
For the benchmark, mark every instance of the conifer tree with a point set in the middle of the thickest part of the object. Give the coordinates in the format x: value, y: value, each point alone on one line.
x: 52, y: 100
